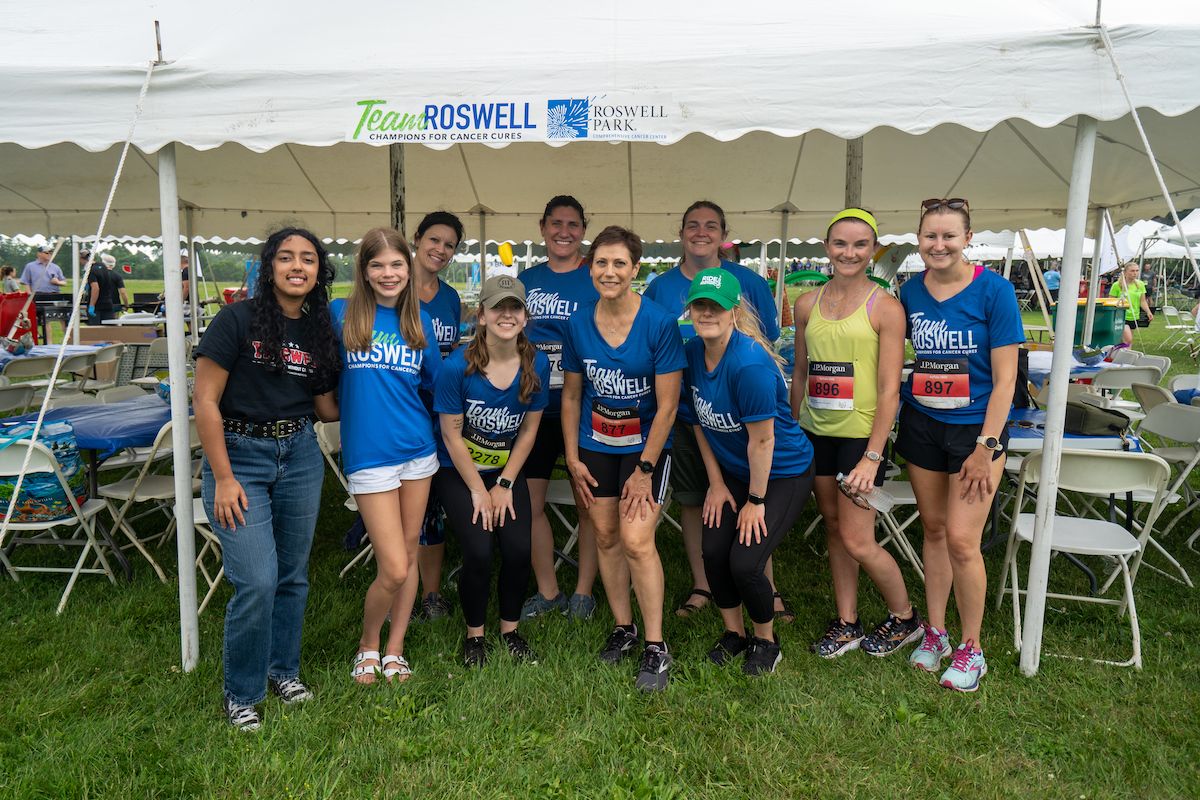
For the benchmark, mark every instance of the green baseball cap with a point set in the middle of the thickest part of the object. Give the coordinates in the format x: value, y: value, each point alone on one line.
x: 718, y: 285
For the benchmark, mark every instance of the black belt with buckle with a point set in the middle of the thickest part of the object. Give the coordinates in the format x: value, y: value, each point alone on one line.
x: 266, y: 430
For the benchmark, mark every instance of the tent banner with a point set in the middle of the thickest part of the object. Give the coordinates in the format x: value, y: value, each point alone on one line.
x: 553, y: 120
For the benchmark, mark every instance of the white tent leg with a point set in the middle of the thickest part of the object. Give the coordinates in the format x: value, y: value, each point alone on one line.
x: 77, y: 288
x: 1093, y: 281
x: 1039, y: 560
x: 185, y: 541
x: 193, y: 297
x: 781, y: 273
x: 483, y: 276
x: 762, y: 259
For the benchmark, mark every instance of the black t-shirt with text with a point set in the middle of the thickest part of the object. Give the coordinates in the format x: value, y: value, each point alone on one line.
x: 252, y: 392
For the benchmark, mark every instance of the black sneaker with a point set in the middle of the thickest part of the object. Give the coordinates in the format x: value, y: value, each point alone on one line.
x: 654, y: 670
x: 892, y: 634
x: 762, y: 656
x: 475, y: 651
x: 839, y: 639
x: 518, y: 648
x: 434, y: 606
x: 729, y: 646
x: 290, y: 690
x: 619, y: 645
x: 244, y: 718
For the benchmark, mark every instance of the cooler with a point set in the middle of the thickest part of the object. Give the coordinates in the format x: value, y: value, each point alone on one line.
x: 1107, y: 327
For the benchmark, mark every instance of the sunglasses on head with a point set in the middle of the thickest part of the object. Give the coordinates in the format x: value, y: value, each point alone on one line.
x: 952, y: 203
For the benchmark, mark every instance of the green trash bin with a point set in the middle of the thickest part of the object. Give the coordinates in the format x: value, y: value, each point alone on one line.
x: 1107, y: 326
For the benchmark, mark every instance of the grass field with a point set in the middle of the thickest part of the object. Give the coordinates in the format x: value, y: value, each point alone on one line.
x: 94, y: 704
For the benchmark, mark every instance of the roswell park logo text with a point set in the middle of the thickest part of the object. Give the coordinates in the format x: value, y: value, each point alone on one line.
x: 585, y: 118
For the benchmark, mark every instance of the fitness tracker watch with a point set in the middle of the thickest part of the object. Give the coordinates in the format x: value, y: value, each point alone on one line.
x: 755, y: 499
x: 646, y: 467
x: 504, y: 483
x: 991, y: 443
x: 873, y: 456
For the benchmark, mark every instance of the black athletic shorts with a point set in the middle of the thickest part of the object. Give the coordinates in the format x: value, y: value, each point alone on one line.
x: 834, y: 454
x: 935, y: 445
x: 611, y: 470
x: 689, y: 478
x: 547, y: 448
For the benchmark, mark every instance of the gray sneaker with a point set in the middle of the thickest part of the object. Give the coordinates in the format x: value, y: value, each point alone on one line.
x: 244, y: 718
x: 434, y: 606
x: 581, y: 607
x: 537, y: 605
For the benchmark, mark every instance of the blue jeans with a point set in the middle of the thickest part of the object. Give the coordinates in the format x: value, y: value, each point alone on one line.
x: 266, y: 560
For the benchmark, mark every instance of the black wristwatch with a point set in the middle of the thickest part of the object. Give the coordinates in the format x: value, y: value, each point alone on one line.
x: 755, y: 499
x: 503, y: 483
x: 646, y: 467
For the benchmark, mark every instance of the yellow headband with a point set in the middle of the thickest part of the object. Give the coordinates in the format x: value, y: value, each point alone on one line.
x: 853, y: 213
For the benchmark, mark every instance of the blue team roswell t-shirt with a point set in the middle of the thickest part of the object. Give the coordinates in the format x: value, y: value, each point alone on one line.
x: 953, y: 340
x: 552, y: 298
x: 491, y: 416
x: 619, y: 403
x: 445, y: 311
x: 384, y: 421
x: 746, y: 386
x: 670, y: 290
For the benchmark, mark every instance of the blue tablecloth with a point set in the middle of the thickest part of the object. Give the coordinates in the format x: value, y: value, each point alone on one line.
x: 49, y: 350
x: 1028, y: 440
x: 112, y: 427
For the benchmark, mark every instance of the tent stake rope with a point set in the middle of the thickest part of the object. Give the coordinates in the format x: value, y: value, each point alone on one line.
x: 73, y: 322
x: 1137, y: 121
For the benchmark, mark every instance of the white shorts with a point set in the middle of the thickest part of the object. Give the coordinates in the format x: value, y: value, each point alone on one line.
x: 385, y: 479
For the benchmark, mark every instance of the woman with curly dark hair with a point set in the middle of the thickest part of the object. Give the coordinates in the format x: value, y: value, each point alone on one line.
x: 267, y: 367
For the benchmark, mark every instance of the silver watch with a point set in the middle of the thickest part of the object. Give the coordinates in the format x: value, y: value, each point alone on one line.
x: 873, y: 456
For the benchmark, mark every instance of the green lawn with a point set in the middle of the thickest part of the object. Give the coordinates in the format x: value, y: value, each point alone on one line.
x: 94, y: 704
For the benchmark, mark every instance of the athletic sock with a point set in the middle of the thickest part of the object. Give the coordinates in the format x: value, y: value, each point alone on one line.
x: 631, y: 629
x: 662, y: 646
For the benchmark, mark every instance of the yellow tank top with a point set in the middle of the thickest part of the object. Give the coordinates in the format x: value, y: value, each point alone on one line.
x: 843, y: 373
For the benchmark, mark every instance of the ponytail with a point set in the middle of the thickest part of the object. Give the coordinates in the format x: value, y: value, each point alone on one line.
x: 746, y: 320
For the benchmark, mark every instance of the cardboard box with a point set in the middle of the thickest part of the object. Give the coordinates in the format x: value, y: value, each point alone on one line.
x: 143, y: 334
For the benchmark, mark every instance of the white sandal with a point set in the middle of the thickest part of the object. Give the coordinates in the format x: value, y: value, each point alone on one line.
x: 359, y: 670
x: 402, y: 670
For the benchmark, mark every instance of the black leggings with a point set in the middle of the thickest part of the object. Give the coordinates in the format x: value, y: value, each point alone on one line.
x: 735, y: 571
x: 474, y: 582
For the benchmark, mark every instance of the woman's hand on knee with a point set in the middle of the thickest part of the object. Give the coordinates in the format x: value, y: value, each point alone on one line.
x: 636, y: 497
x: 715, y: 499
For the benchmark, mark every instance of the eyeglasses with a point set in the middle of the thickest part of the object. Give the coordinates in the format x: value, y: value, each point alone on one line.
x: 952, y: 203
x: 854, y: 496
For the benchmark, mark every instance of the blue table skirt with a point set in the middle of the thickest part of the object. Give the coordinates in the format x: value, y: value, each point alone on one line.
x: 1031, y: 439
x: 111, y: 427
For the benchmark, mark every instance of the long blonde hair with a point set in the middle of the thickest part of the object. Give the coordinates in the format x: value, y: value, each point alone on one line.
x: 359, y: 326
x: 746, y: 320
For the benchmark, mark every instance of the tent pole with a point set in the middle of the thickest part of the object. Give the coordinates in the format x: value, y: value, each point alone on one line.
x: 193, y: 298
x: 185, y: 542
x: 780, y: 290
x: 1008, y: 259
x: 1093, y: 291
x: 762, y: 259
x: 1056, y: 406
x: 854, y: 168
x: 528, y: 255
x: 483, y: 276
x: 396, y: 187
x: 77, y: 288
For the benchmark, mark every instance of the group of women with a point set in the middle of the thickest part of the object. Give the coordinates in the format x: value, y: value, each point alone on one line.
x: 635, y: 394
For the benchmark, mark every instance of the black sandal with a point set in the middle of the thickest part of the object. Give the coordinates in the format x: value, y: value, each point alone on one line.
x: 686, y: 608
x: 785, y: 614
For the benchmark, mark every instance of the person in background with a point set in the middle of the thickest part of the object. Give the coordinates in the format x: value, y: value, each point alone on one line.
x: 702, y: 235
x: 489, y: 398
x: 1053, y: 278
x: 437, y: 240
x: 557, y: 288
x: 623, y: 364
x: 1132, y: 291
x: 758, y: 461
x: 965, y: 328
x: 42, y: 275
x: 185, y: 275
x: 264, y: 369
x: 100, y: 292
x: 8, y: 275
x: 118, y: 297
x: 390, y: 356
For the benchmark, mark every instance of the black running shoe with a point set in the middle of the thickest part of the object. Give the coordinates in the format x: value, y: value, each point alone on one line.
x: 892, y: 634
x: 619, y: 645
x: 729, y: 646
x: 654, y: 670
x: 475, y: 651
x: 839, y: 639
x: 518, y: 648
x: 434, y: 606
x: 762, y: 656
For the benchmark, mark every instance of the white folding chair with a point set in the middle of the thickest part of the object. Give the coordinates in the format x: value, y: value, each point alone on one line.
x: 79, y: 528
x: 1174, y: 326
x: 1186, y: 381
x: 1161, y: 363
x: 15, y: 397
x: 36, y: 367
x: 329, y: 439
x: 147, y: 487
x: 118, y: 394
x: 1109, y: 383
x: 1150, y: 395
x: 208, y: 560
x: 904, y: 498
x: 1126, y: 356
x: 71, y: 399
x: 1091, y: 472
x: 109, y: 354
